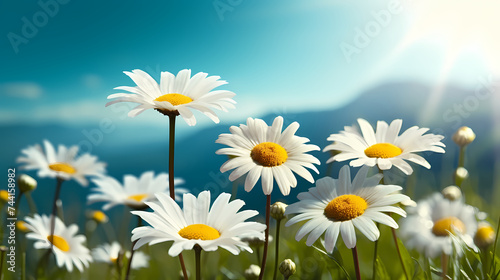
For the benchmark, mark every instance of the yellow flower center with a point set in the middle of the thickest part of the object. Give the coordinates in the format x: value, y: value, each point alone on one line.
x: 137, y: 197
x: 174, y: 99
x: 4, y: 195
x: 62, y: 167
x: 444, y: 226
x: 199, y: 231
x: 485, y: 233
x: 383, y: 150
x: 113, y: 260
x: 59, y: 242
x: 269, y: 154
x: 22, y: 226
x: 345, y: 207
x: 99, y: 216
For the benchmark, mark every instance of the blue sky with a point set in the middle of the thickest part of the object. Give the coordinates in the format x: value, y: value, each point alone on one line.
x: 278, y: 56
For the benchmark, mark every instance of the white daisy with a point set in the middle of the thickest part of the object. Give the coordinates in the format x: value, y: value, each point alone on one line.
x: 63, y: 164
x: 428, y: 226
x: 221, y: 226
x: 134, y: 192
x: 265, y: 152
x: 384, y: 148
x: 176, y: 94
x: 109, y: 253
x: 68, y: 247
x: 339, y: 206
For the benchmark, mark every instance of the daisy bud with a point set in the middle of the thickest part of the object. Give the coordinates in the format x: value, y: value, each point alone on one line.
x: 452, y: 193
x: 278, y: 210
x: 287, y: 268
x: 4, y: 196
x: 485, y: 235
x: 252, y: 272
x: 464, y: 136
x: 460, y: 175
x: 21, y: 226
x: 99, y: 217
x: 26, y: 183
x: 3, y: 249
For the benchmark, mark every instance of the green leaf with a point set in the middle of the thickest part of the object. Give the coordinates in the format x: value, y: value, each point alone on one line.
x: 380, y: 270
x: 407, y: 259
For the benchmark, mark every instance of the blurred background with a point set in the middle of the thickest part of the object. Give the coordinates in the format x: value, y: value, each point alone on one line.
x: 322, y: 63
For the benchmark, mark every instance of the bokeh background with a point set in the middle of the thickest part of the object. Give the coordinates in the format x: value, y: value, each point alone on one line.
x: 322, y: 63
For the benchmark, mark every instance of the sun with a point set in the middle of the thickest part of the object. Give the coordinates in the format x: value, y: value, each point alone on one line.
x: 458, y: 26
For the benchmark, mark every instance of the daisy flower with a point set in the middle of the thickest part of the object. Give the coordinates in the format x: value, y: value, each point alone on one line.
x: 195, y: 224
x: 67, y: 246
x: 134, y: 192
x: 428, y: 226
x: 265, y: 152
x: 109, y: 253
x: 176, y: 95
x: 384, y: 148
x: 338, y: 206
x: 63, y: 164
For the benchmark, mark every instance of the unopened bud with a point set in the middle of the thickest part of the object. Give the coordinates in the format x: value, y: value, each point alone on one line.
x: 452, y: 193
x: 485, y: 235
x: 252, y: 272
x: 3, y: 248
x: 278, y: 210
x: 287, y: 268
x: 99, y: 217
x: 21, y: 226
x: 464, y: 136
x: 26, y: 183
x: 4, y: 196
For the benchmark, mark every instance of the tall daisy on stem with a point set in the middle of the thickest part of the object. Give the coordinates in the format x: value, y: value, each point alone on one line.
x: 384, y: 148
x: 134, y: 193
x: 339, y: 206
x: 62, y: 165
x: 265, y: 152
x: 174, y: 96
x: 197, y: 226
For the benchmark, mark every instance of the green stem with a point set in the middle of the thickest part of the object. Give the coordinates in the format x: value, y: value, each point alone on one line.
x: 427, y: 268
x: 234, y: 191
x: 23, y: 266
x: 266, y: 242
x: 129, y: 266
x: 54, y: 209
x: 171, y: 149
x: 493, y: 263
x: 356, y: 263
x: 2, y: 258
x: 197, y: 252
x: 277, y: 249
x: 461, y: 163
x: 444, y: 265
x: 171, y: 146
x: 375, y: 257
x: 31, y: 203
x: 395, y: 237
